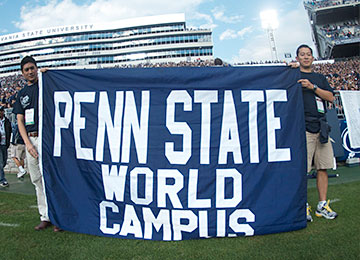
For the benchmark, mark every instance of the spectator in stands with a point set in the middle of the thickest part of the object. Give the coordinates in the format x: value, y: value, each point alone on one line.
x: 26, y: 109
x: 218, y: 62
x: 326, y: 3
x: 316, y: 90
x: 5, y: 133
x: 342, y: 75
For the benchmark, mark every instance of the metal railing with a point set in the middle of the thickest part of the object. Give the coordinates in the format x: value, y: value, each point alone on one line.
x: 337, y: 104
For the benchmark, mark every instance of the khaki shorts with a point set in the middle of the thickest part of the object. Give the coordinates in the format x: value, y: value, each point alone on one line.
x: 318, y: 154
x: 18, y: 151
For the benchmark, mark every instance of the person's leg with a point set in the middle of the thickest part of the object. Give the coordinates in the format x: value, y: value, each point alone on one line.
x: 14, y: 151
x: 310, y: 151
x: 2, y: 165
x: 322, y: 184
x: 20, y: 154
x: 36, y: 179
x: 20, y: 165
x: 5, y: 155
x: 22, y: 162
x: 323, y: 160
x: 16, y: 161
x: 17, y: 157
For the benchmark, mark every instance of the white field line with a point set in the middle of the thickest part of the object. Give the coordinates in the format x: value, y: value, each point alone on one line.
x: 33, y: 206
x: 8, y: 224
x: 334, y: 200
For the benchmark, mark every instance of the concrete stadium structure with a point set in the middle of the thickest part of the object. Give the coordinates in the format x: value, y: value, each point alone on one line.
x: 152, y: 39
x: 335, y: 27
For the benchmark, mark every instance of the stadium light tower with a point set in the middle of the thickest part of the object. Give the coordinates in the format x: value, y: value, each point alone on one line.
x: 270, y: 23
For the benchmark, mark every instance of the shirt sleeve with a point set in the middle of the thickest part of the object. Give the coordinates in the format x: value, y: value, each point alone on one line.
x: 326, y: 85
x: 18, y: 109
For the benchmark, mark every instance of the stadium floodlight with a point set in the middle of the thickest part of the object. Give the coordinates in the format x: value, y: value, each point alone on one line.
x: 269, y: 22
x: 269, y: 19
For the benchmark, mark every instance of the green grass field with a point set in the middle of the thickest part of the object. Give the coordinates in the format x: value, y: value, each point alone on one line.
x: 322, y: 239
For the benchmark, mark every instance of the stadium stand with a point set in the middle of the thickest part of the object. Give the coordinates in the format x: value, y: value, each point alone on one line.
x: 342, y: 75
x: 335, y: 27
x: 152, y: 39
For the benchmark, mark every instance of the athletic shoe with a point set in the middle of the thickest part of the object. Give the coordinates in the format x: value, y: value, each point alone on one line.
x: 326, y: 212
x: 4, y: 184
x: 21, y: 174
x: 308, y: 213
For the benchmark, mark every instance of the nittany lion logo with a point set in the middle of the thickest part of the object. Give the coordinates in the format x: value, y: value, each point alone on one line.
x: 25, y: 101
x: 346, y: 144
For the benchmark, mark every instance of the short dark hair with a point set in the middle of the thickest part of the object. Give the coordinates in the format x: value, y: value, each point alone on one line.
x: 27, y: 59
x: 218, y: 62
x: 303, y: 46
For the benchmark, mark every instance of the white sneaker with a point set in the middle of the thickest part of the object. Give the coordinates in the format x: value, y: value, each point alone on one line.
x: 308, y: 213
x: 4, y: 184
x: 21, y: 174
x: 326, y: 212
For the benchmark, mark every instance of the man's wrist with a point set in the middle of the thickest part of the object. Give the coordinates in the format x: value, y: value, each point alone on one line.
x: 315, y: 87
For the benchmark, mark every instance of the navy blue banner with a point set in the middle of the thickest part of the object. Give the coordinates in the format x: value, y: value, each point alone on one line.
x: 174, y: 153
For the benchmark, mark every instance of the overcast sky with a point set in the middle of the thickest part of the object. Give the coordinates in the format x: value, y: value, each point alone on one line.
x: 236, y: 24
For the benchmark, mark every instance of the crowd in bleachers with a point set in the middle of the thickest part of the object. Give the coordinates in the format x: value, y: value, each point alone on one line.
x: 345, y: 30
x: 9, y: 87
x: 267, y: 62
x: 342, y: 75
x: 326, y: 3
x: 196, y: 63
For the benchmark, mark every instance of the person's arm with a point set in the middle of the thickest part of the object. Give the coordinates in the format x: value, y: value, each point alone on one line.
x: 324, y: 94
x: 29, y: 146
